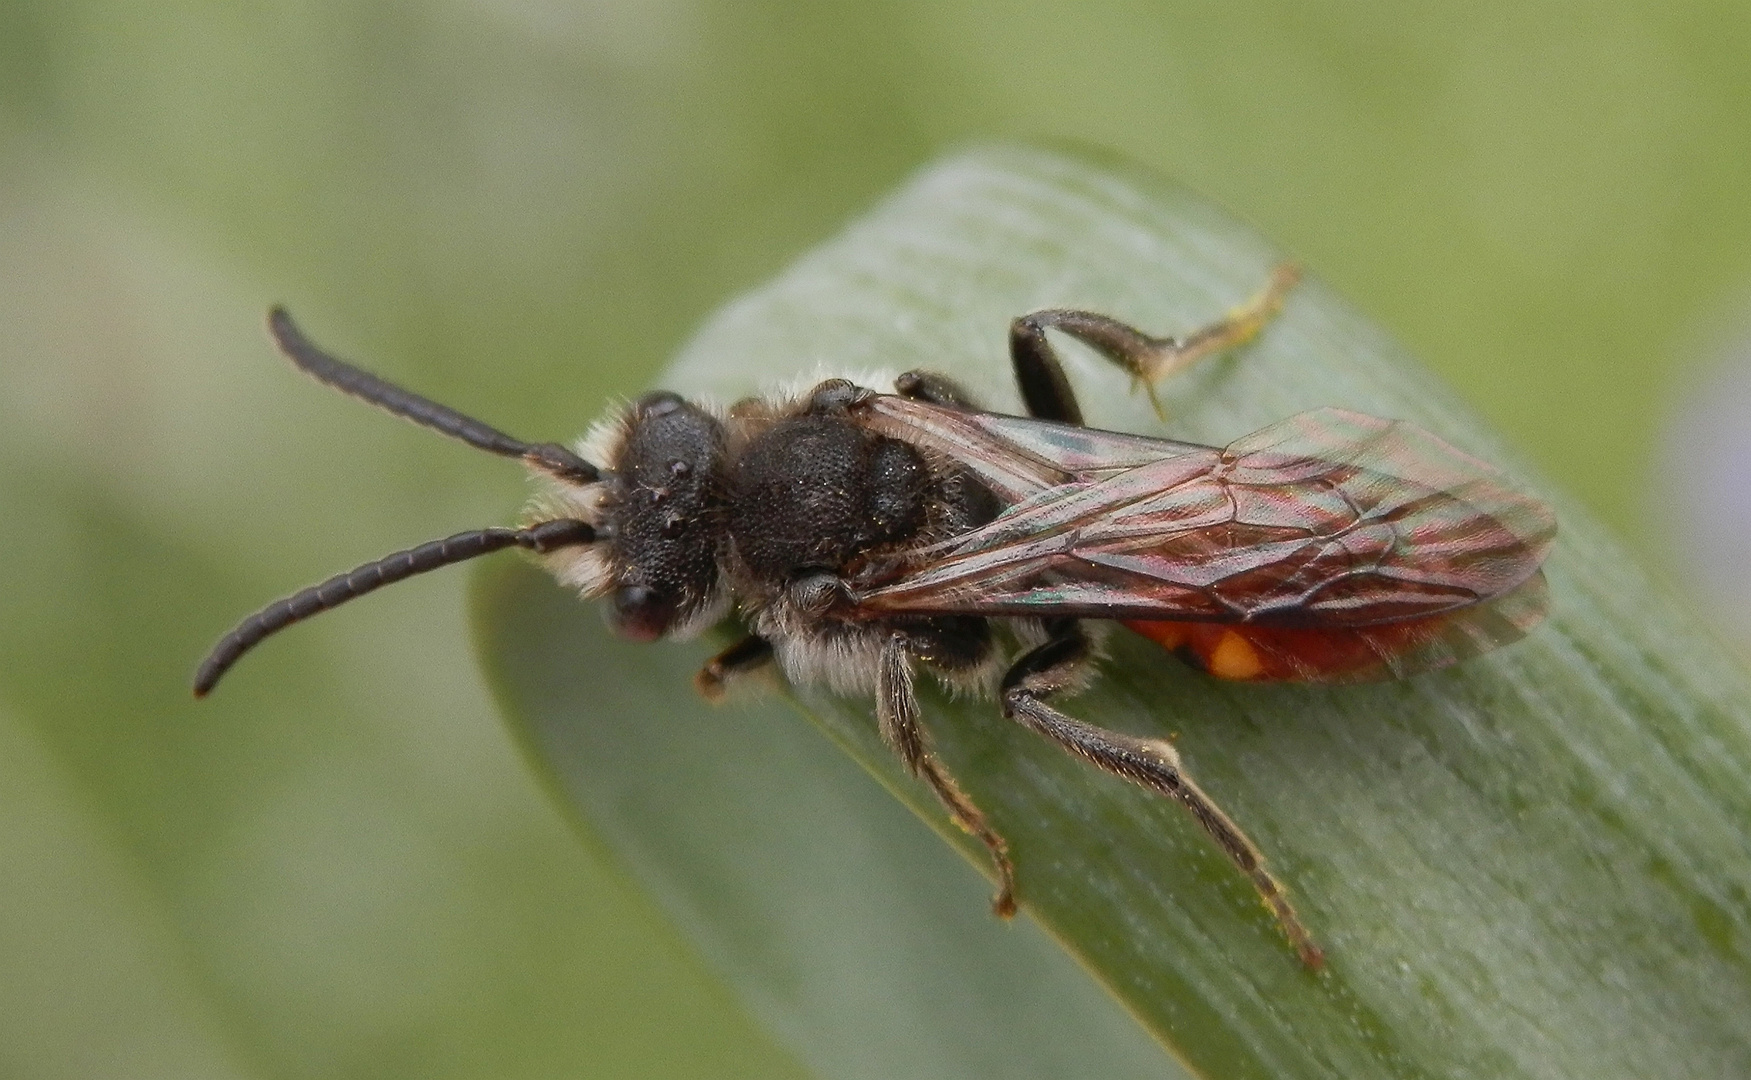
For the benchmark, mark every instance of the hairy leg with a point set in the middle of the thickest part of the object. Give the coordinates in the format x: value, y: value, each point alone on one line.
x: 1152, y: 763
x: 897, y: 712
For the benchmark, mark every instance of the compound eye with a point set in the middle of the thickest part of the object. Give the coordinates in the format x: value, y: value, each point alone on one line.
x: 641, y: 613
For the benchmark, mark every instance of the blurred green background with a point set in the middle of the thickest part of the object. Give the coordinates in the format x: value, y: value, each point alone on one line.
x: 339, y: 867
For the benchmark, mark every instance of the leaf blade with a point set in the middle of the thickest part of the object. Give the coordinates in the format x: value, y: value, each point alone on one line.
x: 1483, y: 852
x: 853, y: 933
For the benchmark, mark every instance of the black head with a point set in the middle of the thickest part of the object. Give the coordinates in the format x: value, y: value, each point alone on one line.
x: 667, y: 520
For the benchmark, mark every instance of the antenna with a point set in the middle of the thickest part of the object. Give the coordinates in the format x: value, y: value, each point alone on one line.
x: 337, y: 590
x: 551, y: 458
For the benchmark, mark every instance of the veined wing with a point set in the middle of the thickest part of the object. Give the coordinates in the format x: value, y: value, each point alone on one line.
x: 1327, y: 519
x: 1256, y: 652
x: 1015, y: 456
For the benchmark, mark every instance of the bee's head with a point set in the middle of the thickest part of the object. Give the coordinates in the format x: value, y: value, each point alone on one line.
x: 664, y: 518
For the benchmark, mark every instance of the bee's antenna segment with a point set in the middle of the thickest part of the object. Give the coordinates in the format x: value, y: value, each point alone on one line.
x: 337, y: 590
x: 549, y: 457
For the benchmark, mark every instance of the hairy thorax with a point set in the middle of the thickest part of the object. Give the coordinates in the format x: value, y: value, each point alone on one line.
x: 814, y: 497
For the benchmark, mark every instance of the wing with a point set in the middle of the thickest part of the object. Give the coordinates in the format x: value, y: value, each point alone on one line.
x: 1252, y: 652
x: 1330, y: 519
x: 1015, y: 456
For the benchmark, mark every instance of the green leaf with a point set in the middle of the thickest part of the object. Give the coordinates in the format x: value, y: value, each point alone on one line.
x: 1533, y: 866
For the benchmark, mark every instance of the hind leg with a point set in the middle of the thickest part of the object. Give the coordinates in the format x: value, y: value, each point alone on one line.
x: 1060, y: 664
x: 1047, y: 391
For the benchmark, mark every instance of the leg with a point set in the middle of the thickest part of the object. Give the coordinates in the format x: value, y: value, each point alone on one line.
x: 749, y: 654
x: 897, y: 711
x: 1151, y: 763
x: 1148, y: 359
x: 920, y: 385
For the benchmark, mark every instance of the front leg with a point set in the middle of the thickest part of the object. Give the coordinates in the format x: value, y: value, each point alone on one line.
x: 1047, y: 391
x: 749, y: 654
x: 1061, y: 663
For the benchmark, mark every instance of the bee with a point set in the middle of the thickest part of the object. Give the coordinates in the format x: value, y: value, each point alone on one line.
x: 862, y: 536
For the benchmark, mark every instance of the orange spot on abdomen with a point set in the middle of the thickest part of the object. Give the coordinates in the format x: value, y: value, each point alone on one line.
x: 1275, y: 653
x: 1234, y: 657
